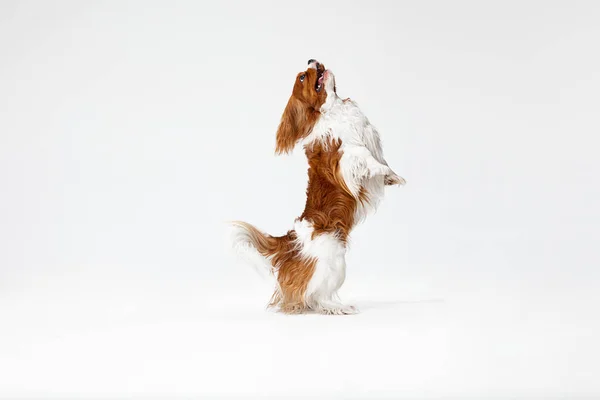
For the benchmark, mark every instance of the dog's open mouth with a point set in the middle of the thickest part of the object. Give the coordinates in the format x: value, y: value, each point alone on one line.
x: 320, y: 73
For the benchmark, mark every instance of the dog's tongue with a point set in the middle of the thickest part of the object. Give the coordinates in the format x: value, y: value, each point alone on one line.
x: 321, y: 79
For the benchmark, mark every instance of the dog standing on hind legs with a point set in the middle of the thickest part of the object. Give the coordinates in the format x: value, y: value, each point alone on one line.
x: 346, y: 178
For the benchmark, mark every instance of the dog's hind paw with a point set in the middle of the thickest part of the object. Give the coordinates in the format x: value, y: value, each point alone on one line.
x: 338, y: 309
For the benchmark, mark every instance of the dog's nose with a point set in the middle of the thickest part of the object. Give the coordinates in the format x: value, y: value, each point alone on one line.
x: 312, y: 63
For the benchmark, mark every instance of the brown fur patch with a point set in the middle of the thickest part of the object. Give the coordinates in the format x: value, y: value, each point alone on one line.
x: 293, y: 270
x: 330, y: 206
x: 293, y: 274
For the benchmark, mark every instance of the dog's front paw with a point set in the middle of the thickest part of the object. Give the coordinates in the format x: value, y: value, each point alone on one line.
x: 379, y: 170
x: 394, y: 179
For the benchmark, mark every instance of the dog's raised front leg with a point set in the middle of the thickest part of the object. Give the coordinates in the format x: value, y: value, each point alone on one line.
x: 373, y: 167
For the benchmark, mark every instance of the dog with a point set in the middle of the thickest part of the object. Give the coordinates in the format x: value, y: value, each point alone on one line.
x: 346, y: 179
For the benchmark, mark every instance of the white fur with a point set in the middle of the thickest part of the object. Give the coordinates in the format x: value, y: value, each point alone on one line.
x: 242, y: 245
x: 330, y: 269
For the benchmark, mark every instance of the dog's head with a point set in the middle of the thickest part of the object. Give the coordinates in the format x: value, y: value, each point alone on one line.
x: 311, y: 90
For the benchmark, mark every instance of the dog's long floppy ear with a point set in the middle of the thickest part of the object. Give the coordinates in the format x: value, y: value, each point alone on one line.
x: 292, y: 127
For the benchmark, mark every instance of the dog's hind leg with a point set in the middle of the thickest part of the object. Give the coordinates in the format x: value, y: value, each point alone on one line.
x: 328, y: 277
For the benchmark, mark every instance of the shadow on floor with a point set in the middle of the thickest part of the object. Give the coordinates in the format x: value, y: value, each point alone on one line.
x: 384, y: 305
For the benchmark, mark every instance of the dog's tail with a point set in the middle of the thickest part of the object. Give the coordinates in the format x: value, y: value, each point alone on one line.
x: 255, y: 246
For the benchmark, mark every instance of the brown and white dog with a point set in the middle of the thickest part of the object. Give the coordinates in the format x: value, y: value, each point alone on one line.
x: 346, y: 178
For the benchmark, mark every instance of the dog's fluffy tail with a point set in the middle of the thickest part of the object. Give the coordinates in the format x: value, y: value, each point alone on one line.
x: 254, y: 246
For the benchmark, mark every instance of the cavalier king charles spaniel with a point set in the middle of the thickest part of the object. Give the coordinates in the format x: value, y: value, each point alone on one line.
x: 346, y: 178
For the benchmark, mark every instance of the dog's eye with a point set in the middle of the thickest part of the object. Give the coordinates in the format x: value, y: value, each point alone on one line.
x: 302, y: 77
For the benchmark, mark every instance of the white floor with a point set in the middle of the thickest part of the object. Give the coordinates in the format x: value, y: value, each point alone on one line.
x: 105, y: 335
x: 131, y: 130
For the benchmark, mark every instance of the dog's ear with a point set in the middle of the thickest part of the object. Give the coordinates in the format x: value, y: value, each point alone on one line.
x: 288, y: 132
x: 297, y: 121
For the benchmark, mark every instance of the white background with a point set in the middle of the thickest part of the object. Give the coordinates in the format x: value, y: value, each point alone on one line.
x: 131, y: 131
